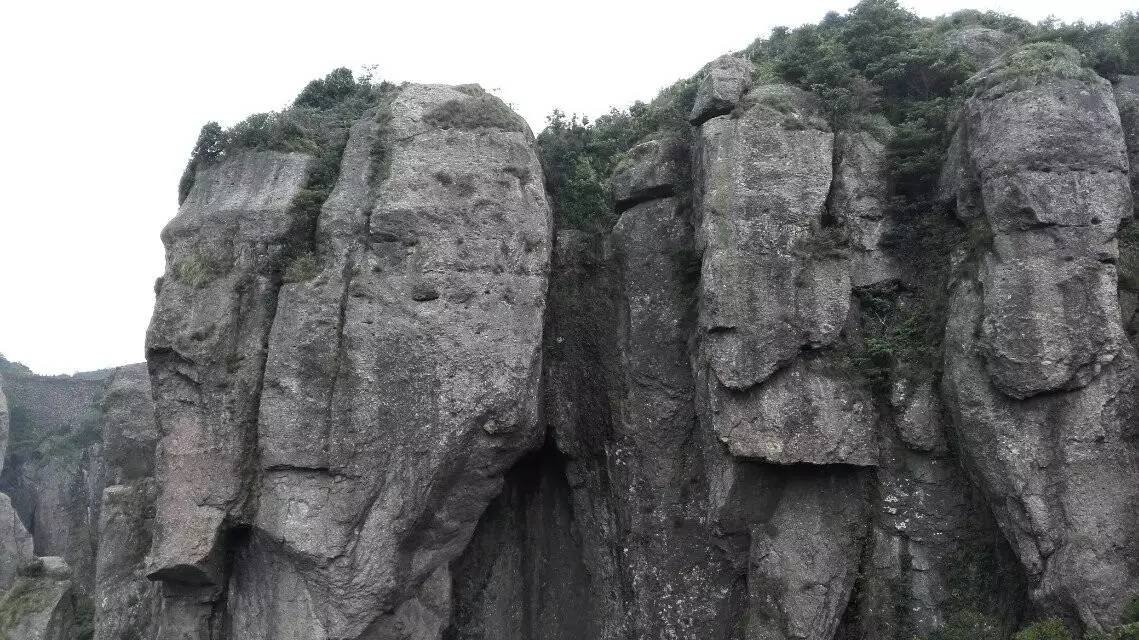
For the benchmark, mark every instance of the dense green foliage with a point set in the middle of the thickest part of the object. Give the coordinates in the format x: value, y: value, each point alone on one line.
x: 316, y: 123
x: 878, y: 61
x: 578, y: 155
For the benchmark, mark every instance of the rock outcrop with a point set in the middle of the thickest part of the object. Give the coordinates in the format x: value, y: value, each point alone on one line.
x: 777, y: 398
x: 1039, y: 376
x: 339, y: 436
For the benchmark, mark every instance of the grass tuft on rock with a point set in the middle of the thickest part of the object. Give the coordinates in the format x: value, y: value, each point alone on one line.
x: 480, y: 111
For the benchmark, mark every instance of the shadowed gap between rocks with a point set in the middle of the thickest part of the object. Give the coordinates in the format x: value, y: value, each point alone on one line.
x: 523, y: 575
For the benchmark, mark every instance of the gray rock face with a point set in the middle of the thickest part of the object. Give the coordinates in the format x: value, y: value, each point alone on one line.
x: 126, y: 601
x: 44, y: 609
x: 982, y: 44
x: 1127, y: 99
x: 1055, y: 467
x: 858, y: 200
x: 775, y: 282
x: 763, y: 200
x: 808, y: 412
x: 53, y: 468
x: 15, y: 542
x: 1049, y: 170
x: 206, y: 352
x: 725, y: 81
x: 399, y: 383
x: 1038, y: 376
x: 652, y: 169
x: 418, y: 414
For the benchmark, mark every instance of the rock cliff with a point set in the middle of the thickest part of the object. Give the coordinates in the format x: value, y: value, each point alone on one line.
x: 389, y: 393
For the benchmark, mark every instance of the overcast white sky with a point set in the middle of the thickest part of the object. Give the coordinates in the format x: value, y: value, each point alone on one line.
x: 101, y: 102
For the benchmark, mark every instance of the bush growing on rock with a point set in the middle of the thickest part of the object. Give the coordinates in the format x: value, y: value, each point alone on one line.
x: 1047, y: 629
x: 479, y: 112
x: 316, y: 123
x: 879, y: 59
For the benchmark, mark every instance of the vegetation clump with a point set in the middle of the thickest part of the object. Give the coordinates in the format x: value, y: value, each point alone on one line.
x: 26, y: 596
x: 197, y: 269
x: 480, y: 111
x: 1031, y: 63
x: 302, y: 268
x: 316, y: 123
x: 878, y: 67
x: 1047, y: 629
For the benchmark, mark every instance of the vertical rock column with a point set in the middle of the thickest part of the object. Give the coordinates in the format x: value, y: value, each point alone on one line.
x: 402, y: 378
x: 206, y: 350
x: 1039, y: 376
x: 126, y: 602
x: 15, y: 541
x: 786, y: 432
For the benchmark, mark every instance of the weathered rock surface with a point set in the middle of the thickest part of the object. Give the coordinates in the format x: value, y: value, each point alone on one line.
x: 125, y: 601
x: 1048, y: 172
x: 726, y: 79
x: 53, y: 467
x: 42, y: 608
x: 15, y: 542
x: 982, y: 44
x: 859, y: 201
x: 206, y: 352
x: 400, y: 382
x: 1039, y: 378
x: 762, y: 297
x: 415, y: 412
x: 652, y: 169
x: 1127, y: 99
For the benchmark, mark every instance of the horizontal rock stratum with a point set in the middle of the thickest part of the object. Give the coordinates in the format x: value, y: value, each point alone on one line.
x: 774, y: 387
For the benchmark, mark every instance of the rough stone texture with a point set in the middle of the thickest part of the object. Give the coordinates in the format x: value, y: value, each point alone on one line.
x: 3, y: 422
x: 724, y: 83
x: 775, y: 282
x: 15, y: 542
x: 933, y: 549
x: 125, y: 601
x: 49, y: 614
x: 762, y: 297
x: 859, y: 200
x: 771, y: 287
x: 1127, y: 99
x: 808, y: 412
x: 652, y: 169
x: 1038, y: 376
x: 1048, y: 173
x: 918, y: 416
x: 982, y: 44
x: 670, y: 436
x: 400, y: 382
x: 41, y: 603
x: 804, y: 557
x: 1057, y: 469
x: 206, y: 352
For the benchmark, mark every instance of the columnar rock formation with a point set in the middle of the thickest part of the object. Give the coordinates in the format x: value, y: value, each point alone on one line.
x: 420, y: 411
x: 1039, y: 374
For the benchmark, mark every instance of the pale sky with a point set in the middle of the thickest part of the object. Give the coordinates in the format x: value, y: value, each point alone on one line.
x: 102, y: 101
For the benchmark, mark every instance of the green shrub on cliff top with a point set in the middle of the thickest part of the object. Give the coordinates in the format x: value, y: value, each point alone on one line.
x: 316, y: 123
x: 877, y: 59
x: 481, y: 111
